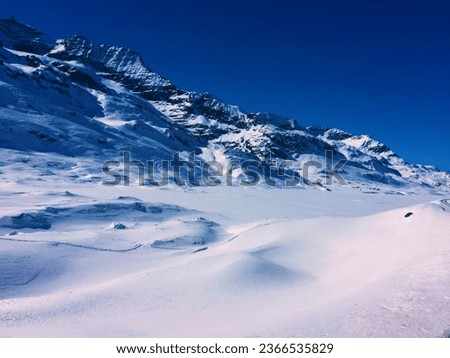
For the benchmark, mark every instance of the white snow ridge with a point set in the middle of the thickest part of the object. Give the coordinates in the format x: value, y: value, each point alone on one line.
x: 366, y: 257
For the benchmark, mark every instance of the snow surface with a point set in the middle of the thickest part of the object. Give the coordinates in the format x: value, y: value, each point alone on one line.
x: 78, y: 259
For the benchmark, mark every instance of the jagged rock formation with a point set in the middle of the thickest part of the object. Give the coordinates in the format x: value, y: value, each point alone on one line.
x: 81, y: 99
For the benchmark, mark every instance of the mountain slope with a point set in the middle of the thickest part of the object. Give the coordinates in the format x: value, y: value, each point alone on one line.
x: 81, y: 99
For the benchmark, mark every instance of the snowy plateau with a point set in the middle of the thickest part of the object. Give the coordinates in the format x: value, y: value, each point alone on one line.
x: 366, y: 258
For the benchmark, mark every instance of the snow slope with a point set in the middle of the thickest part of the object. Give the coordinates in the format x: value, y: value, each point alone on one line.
x: 82, y: 259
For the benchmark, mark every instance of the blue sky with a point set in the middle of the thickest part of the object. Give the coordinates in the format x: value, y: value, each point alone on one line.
x: 375, y: 67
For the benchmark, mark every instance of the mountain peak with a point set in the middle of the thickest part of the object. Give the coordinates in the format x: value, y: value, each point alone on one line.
x: 22, y: 37
x: 119, y: 63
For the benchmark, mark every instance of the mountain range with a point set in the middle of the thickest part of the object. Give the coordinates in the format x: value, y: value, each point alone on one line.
x: 79, y: 99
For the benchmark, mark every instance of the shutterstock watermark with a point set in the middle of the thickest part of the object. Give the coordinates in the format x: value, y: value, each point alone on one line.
x: 188, y: 169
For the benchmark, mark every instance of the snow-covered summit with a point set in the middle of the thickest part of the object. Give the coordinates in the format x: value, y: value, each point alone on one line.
x: 21, y: 37
x: 119, y: 63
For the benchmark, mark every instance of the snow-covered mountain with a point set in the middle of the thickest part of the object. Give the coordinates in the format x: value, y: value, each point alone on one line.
x: 205, y: 260
x: 79, y: 99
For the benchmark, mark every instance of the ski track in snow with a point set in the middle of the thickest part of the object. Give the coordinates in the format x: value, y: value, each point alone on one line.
x: 56, y: 243
x: 254, y: 226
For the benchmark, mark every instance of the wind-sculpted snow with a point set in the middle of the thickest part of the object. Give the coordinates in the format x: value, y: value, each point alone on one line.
x: 78, y: 225
x: 303, y: 264
x: 183, y: 234
x: 43, y: 219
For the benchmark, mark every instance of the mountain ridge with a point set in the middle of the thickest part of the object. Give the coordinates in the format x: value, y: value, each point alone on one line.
x: 78, y: 98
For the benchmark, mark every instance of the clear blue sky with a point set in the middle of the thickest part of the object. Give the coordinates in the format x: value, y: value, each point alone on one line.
x: 375, y: 67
